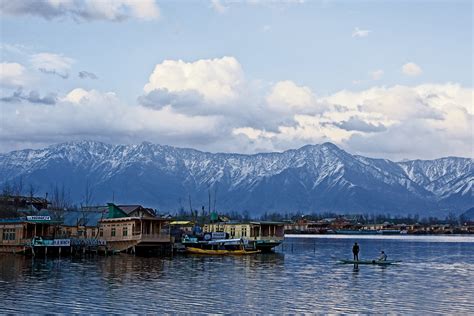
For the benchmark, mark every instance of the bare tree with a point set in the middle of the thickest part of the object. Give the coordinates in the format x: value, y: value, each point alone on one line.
x: 7, y: 209
x: 451, y: 219
x: 88, y: 197
x: 60, y: 201
x: 32, y: 190
x: 87, y: 200
x: 18, y: 187
x: 7, y: 190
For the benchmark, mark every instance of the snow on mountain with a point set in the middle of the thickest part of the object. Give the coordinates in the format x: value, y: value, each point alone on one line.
x: 312, y: 178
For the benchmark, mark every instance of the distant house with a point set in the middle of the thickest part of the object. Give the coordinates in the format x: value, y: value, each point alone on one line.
x: 11, y: 205
x: 84, y: 223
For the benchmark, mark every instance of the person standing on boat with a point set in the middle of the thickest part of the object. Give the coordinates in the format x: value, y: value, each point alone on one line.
x: 355, y: 251
x: 383, y: 256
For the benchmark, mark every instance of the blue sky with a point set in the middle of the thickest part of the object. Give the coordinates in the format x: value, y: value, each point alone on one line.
x: 329, y: 53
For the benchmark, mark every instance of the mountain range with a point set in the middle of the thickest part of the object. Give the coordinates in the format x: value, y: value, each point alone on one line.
x: 313, y: 178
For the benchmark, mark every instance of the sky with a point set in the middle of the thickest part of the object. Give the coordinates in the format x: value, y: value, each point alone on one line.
x: 385, y: 79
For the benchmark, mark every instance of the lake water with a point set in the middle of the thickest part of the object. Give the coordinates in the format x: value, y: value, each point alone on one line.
x: 436, y: 276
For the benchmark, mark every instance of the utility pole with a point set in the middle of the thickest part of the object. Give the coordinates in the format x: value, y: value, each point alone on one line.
x: 209, y: 193
x: 215, y: 196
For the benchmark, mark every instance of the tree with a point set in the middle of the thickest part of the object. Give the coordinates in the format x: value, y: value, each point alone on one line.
x: 60, y: 201
x: 87, y: 200
x: 246, y: 216
x: 451, y: 219
x: 88, y: 196
x: 7, y: 190
x: 463, y: 219
x: 32, y: 189
x: 18, y: 187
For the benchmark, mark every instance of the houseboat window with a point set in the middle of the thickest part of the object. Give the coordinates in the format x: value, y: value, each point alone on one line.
x: 244, y: 231
x: 232, y: 231
x: 101, y: 232
x: 112, y: 232
x: 9, y: 234
x: 125, y: 231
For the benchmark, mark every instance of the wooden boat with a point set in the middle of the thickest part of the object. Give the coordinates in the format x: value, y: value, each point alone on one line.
x: 221, y: 247
x: 201, y: 251
x: 376, y: 262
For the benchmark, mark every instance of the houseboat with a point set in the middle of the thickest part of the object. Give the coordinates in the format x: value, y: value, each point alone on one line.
x: 264, y: 234
x: 135, y: 229
x: 31, y: 234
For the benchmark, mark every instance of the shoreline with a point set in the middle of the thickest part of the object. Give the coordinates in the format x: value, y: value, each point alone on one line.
x: 466, y: 238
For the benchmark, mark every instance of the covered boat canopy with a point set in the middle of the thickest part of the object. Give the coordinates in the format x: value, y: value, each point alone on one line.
x: 236, y: 241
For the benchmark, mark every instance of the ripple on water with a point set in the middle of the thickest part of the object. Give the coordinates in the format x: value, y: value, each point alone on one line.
x: 303, y: 276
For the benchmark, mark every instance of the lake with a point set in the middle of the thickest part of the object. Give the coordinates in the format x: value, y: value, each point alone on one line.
x: 436, y: 275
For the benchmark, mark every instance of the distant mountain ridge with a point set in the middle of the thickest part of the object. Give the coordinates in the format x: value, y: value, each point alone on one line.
x: 313, y: 178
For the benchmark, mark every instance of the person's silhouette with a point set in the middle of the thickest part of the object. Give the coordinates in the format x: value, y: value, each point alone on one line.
x: 355, y: 251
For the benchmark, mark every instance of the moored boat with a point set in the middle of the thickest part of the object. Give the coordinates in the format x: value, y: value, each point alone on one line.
x: 376, y: 262
x: 221, y: 247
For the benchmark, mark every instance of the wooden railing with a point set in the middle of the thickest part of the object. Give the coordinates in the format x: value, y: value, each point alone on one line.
x: 16, y: 242
x: 267, y: 238
x: 163, y: 237
x: 156, y: 237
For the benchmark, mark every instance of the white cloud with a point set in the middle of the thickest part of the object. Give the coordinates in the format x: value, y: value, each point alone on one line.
x: 411, y: 69
x: 218, y: 80
x: 91, y: 114
x: 287, y: 96
x: 52, y: 63
x: 357, y: 33
x: 82, y: 96
x: 266, y: 28
x: 84, y: 10
x: 13, y: 75
x: 218, y: 6
x: 377, y: 74
x: 223, y: 6
x: 397, y: 122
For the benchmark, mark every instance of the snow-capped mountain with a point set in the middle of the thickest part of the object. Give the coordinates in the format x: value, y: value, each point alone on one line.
x: 312, y: 178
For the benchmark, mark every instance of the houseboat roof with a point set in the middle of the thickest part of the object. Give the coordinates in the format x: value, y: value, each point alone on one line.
x: 30, y: 221
x: 121, y: 219
x: 267, y: 223
x: 181, y: 223
x: 249, y: 222
x: 88, y: 218
x: 29, y: 199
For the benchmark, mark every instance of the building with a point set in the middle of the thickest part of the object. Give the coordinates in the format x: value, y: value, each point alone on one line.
x: 265, y: 234
x: 18, y: 202
x: 83, y: 224
x: 23, y: 235
x: 135, y: 229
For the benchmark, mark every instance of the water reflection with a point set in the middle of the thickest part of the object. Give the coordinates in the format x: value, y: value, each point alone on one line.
x: 303, y: 277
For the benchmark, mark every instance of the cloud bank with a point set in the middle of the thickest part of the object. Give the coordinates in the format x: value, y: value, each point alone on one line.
x: 83, y: 10
x: 209, y: 104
